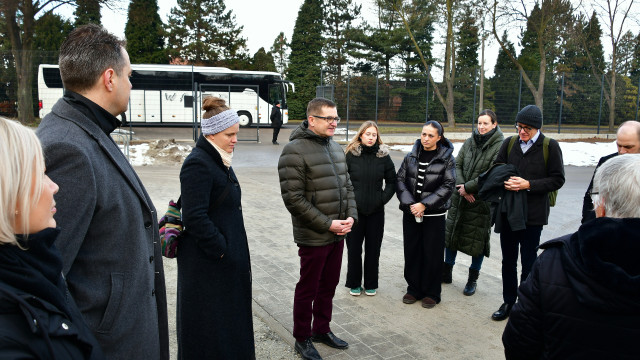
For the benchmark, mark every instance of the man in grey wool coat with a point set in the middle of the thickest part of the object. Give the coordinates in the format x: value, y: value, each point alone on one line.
x: 109, y: 231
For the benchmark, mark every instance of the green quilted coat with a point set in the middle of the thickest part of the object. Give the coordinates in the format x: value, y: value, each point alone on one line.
x: 468, y: 226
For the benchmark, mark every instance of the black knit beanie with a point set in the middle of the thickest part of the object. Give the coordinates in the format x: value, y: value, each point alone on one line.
x: 530, y: 115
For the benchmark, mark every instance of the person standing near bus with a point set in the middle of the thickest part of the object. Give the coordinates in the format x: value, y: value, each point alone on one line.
x: 468, y: 227
x: 214, y: 269
x: 109, y: 237
x: 316, y: 190
x: 540, y: 174
x: 276, y: 122
x: 369, y: 165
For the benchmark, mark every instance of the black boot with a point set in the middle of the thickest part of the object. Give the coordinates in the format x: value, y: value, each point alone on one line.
x: 470, y: 288
x: 447, y: 271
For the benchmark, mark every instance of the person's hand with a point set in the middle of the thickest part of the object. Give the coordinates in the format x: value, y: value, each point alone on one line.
x: 341, y: 227
x: 465, y: 194
x: 417, y: 209
x: 516, y: 183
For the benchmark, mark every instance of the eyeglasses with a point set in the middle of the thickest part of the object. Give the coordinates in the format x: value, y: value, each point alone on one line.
x: 525, y: 128
x: 329, y: 119
x: 591, y: 193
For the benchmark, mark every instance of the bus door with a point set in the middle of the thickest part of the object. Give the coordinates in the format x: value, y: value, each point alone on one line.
x: 145, y: 106
x: 245, y: 101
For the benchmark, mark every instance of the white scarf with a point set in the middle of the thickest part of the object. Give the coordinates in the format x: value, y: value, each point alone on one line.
x: 226, y: 156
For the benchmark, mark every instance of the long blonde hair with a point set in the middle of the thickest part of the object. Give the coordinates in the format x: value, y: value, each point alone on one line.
x: 355, y: 141
x: 21, y: 169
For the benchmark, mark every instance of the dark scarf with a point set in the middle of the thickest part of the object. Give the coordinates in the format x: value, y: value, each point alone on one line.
x: 370, y: 149
x: 93, y: 111
x: 36, y: 270
x: 482, y: 139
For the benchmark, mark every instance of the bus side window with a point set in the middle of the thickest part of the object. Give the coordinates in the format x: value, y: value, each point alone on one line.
x: 188, y: 101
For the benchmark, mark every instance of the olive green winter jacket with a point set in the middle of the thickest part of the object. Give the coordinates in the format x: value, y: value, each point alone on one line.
x: 468, y: 227
x: 315, y: 186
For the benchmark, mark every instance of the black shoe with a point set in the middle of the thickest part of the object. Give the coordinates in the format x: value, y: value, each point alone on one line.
x: 472, y: 283
x: 503, y: 312
x: 307, y: 350
x: 330, y: 340
x: 447, y: 273
x: 275, y: 143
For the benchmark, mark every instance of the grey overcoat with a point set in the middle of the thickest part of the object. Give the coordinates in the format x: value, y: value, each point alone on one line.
x: 109, y: 237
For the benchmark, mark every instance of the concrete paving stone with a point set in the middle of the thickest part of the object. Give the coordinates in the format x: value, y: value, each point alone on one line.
x: 388, y: 350
x: 373, y: 338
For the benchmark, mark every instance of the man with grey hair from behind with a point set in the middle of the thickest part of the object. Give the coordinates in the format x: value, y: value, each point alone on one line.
x: 109, y: 237
x: 582, y: 298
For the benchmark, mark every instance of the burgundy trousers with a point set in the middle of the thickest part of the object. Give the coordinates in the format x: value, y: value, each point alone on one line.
x: 313, y: 299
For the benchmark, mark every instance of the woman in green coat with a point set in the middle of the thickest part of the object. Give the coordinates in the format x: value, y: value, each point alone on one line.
x: 468, y: 227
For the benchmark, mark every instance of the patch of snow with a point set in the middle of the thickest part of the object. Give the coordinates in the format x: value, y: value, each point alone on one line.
x: 573, y: 153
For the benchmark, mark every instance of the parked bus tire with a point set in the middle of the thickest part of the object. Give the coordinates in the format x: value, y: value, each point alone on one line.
x: 245, y: 118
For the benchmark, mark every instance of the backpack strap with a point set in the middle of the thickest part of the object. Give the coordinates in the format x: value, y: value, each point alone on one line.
x: 511, y: 142
x: 545, y: 148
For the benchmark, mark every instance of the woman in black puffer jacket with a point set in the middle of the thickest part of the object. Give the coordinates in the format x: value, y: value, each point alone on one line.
x: 369, y: 164
x: 426, y: 180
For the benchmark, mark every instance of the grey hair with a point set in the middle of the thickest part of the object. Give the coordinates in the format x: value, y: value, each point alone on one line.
x: 21, y: 178
x: 617, y: 183
x: 88, y: 52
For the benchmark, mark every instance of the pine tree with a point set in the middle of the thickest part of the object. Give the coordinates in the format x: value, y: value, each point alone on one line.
x: 87, y: 12
x: 635, y: 63
x: 280, y: 52
x: 505, y: 84
x: 339, y: 17
x: 306, y: 56
x: 144, y: 33
x: 203, y: 32
x: 263, y: 61
x: 466, y: 64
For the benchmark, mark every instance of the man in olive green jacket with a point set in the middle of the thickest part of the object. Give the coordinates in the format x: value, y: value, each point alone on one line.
x: 317, y: 191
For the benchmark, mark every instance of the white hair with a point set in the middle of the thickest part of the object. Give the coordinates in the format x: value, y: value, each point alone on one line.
x: 617, y: 183
x: 21, y: 178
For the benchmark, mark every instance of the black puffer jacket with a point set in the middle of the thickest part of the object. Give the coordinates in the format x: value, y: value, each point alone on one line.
x: 315, y: 186
x: 440, y: 179
x: 368, y: 167
x: 582, y: 298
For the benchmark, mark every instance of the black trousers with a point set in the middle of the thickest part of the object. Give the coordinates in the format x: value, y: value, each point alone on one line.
x: 423, y: 249
x: 276, y: 131
x: 527, y: 241
x: 369, y: 231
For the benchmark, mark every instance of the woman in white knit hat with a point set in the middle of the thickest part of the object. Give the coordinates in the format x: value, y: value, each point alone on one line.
x: 214, y: 270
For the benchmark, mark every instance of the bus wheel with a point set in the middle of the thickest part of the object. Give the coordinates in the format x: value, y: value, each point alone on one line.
x: 245, y: 118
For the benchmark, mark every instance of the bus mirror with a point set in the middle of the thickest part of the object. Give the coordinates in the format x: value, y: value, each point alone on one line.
x: 188, y: 101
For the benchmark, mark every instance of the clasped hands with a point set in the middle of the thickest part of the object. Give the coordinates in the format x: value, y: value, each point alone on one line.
x: 417, y: 209
x: 516, y: 183
x: 341, y: 227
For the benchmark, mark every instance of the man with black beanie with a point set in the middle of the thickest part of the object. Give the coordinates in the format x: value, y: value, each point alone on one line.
x: 539, y: 163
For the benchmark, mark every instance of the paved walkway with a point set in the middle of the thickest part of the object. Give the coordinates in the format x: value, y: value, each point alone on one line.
x: 378, y: 327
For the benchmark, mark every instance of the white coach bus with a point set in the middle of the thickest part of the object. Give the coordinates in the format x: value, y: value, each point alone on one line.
x: 163, y: 95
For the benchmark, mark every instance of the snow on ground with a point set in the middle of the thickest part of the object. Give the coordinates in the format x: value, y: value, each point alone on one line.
x: 168, y: 151
x: 573, y: 153
x: 159, y: 151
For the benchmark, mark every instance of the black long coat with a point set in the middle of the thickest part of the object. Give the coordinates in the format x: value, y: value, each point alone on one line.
x: 214, y: 291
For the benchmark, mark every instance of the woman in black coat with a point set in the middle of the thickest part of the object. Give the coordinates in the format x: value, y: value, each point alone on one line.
x: 214, y: 270
x: 369, y: 165
x: 38, y: 317
x: 426, y: 180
